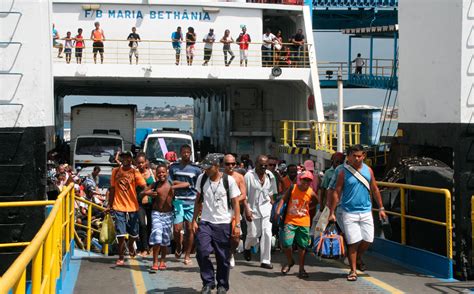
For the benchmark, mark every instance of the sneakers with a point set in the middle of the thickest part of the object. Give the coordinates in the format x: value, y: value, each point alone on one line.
x: 221, y: 290
x: 247, y: 255
x: 206, y: 290
x: 232, y: 261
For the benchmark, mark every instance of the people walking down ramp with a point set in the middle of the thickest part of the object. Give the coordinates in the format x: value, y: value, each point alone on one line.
x: 218, y: 203
x: 354, y: 185
x: 261, y: 186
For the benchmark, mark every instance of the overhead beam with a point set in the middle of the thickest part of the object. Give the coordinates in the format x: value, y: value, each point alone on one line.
x: 332, y: 19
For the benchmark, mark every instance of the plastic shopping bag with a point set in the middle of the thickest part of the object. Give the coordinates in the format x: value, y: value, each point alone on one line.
x: 107, y: 232
x: 322, y: 223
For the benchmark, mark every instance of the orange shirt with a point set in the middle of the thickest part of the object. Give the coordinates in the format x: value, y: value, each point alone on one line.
x: 125, y: 184
x: 299, y: 200
x: 98, y: 35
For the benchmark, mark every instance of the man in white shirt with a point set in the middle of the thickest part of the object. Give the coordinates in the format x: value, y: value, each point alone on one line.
x: 267, y: 40
x: 214, y: 231
x: 359, y: 62
x: 209, y: 41
x: 261, y: 186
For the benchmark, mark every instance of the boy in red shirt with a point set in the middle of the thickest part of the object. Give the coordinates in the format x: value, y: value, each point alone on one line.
x: 244, y: 40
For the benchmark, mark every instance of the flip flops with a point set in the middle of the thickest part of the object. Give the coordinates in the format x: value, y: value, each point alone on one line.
x: 178, y: 254
x: 120, y: 262
x: 303, y: 274
x: 361, y: 266
x: 154, y: 268
x: 188, y: 262
x: 162, y: 266
x: 286, y: 268
x: 352, y: 277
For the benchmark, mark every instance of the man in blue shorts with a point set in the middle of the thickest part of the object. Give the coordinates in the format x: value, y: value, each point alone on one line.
x: 177, y: 38
x: 184, y: 175
x: 124, y: 204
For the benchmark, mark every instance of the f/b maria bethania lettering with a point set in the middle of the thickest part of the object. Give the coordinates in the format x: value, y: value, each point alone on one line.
x: 152, y: 14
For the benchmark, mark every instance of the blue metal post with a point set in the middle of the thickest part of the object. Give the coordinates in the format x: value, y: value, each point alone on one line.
x: 349, y: 61
x: 394, y: 81
x: 371, y: 54
x: 395, y: 45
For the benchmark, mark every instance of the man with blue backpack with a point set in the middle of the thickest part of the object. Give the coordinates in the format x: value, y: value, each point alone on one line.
x: 297, y: 221
x: 355, y: 182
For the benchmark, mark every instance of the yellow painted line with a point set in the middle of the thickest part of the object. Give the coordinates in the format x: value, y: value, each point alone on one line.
x: 382, y: 285
x: 366, y: 277
x: 137, y: 276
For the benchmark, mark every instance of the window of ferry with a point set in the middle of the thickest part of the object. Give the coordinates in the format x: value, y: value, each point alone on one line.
x: 157, y: 147
x: 97, y: 146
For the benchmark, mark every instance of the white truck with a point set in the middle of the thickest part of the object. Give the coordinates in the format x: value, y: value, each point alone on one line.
x: 158, y: 143
x: 98, y: 131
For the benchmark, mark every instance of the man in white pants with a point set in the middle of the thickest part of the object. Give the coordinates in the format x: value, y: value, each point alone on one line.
x: 261, y: 186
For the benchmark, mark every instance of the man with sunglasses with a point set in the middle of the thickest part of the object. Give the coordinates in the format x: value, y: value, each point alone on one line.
x: 261, y: 186
x: 230, y: 164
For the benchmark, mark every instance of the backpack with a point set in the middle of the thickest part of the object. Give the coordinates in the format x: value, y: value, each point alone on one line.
x: 225, y: 182
x: 330, y: 244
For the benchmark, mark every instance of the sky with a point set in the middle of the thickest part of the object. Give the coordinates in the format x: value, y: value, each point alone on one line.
x: 330, y: 46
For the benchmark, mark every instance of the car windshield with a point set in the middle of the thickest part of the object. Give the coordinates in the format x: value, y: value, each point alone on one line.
x: 104, y: 181
x: 97, y: 146
x: 157, y: 147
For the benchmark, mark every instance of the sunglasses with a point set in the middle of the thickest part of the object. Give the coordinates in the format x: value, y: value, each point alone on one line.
x: 230, y: 163
x: 263, y: 166
x: 271, y: 164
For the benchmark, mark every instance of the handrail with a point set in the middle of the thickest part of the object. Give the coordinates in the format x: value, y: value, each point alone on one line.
x: 89, y: 228
x: 152, y: 52
x: 322, y: 135
x: 45, y: 251
x: 403, y: 215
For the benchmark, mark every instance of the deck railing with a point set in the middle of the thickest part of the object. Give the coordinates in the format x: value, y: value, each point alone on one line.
x: 46, y: 251
x: 159, y: 52
x: 318, y: 135
x: 380, y: 68
x: 48, y: 248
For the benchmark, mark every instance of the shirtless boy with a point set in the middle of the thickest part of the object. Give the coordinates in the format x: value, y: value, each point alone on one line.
x: 161, y: 216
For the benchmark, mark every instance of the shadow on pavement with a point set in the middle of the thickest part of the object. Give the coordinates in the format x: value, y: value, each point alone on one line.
x: 173, y: 290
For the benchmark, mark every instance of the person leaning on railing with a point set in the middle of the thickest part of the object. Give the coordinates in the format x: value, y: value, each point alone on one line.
x: 298, y: 41
x: 98, y: 36
x: 227, y: 40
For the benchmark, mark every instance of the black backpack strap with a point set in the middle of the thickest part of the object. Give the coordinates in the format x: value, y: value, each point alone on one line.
x: 225, y: 181
x: 203, y: 182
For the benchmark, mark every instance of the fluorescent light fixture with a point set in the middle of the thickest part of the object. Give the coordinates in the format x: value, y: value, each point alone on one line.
x: 91, y: 7
x: 211, y: 9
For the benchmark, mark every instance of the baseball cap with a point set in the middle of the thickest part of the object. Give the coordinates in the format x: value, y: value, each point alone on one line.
x: 129, y: 153
x: 309, y: 165
x: 209, y: 161
x: 307, y: 175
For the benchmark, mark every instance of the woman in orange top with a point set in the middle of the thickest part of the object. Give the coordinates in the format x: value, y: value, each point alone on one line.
x: 297, y: 221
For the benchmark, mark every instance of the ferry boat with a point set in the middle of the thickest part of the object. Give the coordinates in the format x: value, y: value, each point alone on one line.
x: 263, y: 104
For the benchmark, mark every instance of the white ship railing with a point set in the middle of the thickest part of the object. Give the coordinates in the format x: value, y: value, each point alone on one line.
x: 158, y: 52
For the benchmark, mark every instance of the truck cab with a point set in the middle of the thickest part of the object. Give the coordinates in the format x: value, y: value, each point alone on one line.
x: 96, y: 149
x: 161, y: 142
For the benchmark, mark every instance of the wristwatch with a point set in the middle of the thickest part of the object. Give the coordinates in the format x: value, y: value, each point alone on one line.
x: 237, y: 226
